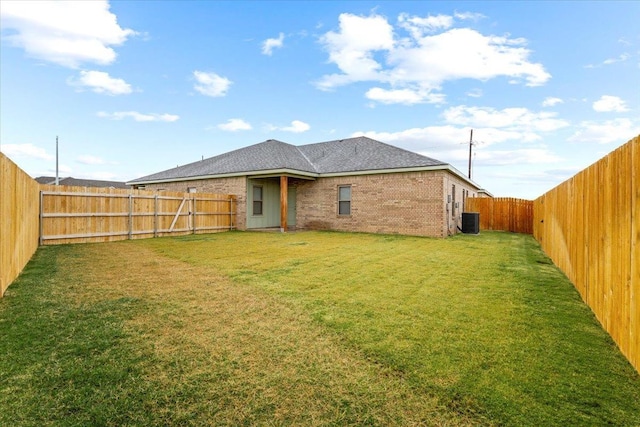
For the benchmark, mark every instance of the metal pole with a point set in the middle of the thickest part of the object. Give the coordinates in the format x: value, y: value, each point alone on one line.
x: 470, y: 145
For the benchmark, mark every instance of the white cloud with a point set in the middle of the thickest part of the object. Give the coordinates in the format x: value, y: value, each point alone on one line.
x: 352, y: 48
x: 621, y: 58
x: 441, y: 138
x: 26, y: 150
x: 532, y: 178
x: 551, y: 101
x: 211, y: 84
x: 450, y: 144
x: 403, y: 96
x: 523, y: 156
x: 139, y: 117
x: 475, y: 93
x: 90, y: 160
x: 102, y: 176
x: 430, y: 60
x: 296, y: 126
x: 606, y: 132
x: 233, y: 125
x: 418, y: 26
x: 269, y: 44
x: 473, y: 16
x: 63, y: 170
x: 101, y: 82
x: 369, y: 49
x: 624, y: 41
x: 491, y: 127
x: 514, y: 118
x: 608, y: 103
x: 67, y: 33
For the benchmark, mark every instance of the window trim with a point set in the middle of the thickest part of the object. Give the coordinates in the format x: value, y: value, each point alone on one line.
x: 340, y: 201
x: 254, y: 201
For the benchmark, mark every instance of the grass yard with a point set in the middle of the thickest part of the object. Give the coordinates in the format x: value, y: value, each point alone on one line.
x: 313, y: 328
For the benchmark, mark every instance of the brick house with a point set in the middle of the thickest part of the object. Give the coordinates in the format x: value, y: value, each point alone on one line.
x: 355, y: 184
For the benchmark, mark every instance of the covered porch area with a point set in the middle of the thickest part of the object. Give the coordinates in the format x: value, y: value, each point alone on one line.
x: 271, y: 202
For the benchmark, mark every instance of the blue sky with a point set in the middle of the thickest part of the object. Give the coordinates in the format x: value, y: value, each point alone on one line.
x: 133, y: 88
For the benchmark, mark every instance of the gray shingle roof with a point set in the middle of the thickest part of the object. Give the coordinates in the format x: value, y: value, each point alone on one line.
x: 77, y: 182
x: 339, y: 156
x: 362, y: 154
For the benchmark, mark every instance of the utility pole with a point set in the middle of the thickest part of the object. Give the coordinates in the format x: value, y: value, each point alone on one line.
x: 58, y: 178
x: 470, y: 146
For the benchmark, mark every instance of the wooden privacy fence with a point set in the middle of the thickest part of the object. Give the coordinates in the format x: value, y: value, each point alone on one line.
x: 31, y: 214
x: 79, y: 214
x: 18, y: 220
x: 503, y: 213
x: 590, y: 227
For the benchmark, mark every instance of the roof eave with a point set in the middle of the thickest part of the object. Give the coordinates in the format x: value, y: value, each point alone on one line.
x: 464, y: 177
x: 310, y: 175
x: 445, y: 167
x: 263, y: 173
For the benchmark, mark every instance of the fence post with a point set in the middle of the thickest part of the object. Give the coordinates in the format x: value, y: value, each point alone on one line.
x: 230, y: 213
x: 40, y: 239
x: 130, y: 216
x: 155, y: 215
x: 193, y: 214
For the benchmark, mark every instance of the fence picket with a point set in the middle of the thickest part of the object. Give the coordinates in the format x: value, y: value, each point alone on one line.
x: 19, y: 220
x: 590, y: 227
x: 78, y: 214
x: 503, y: 213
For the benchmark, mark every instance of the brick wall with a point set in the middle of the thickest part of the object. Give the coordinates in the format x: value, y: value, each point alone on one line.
x: 236, y: 186
x: 413, y: 203
x: 404, y: 203
x: 453, y: 212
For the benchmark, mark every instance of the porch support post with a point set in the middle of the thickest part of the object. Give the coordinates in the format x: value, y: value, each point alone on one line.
x: 284, y: 187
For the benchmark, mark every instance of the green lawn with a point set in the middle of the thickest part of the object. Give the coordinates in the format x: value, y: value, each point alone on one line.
x: 312, y: 328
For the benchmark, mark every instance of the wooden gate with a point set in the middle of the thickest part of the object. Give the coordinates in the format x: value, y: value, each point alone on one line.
x: 80, y: 214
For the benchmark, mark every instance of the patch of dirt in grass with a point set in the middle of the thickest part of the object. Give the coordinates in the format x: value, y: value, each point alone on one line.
x: 226, y: 353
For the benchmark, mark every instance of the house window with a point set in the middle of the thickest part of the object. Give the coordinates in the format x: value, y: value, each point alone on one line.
x: 257, y: 200
x: 191, y: 189
x: 344, y: 200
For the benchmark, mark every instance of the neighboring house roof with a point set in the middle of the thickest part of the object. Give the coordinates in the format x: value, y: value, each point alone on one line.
x: 345, y: 156
x: 51, y: 180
